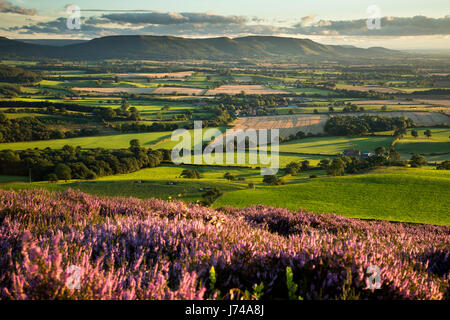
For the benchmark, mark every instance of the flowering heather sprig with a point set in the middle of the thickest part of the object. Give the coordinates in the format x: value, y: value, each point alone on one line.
x: 127, y: 248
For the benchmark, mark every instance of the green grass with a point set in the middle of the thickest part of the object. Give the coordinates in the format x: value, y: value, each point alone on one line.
x: 9, y: 179
x: 153, y: 183
x: 114, y: 141
x: 250, y: 159
x: 409, y: 195
x: 439, y: 142
x: 335, y: 145
x: 396, y: 194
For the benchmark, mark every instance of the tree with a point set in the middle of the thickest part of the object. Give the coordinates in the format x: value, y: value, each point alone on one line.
x: 63, y: 172
x: 125, y: 105
x: 428, y: 133
x: 445, y: 165
x: 190, y: 174
x: 394, y: 156
x: 272, y: 180
x: 52, y: 177
x: 135, y: 143
x: 211, y: 196
x: 300, y: 135
x: 305, y: 165
x: 417, y: 161
x: 292, y: 168
x: 229, y: 176
x: 414, y: 133
x: 399, y: 132
x: 324, y: 163
x: 337, y: 167
x: 380, y: 151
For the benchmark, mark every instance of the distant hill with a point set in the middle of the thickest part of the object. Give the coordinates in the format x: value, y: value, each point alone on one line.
x: 52, y: 42
x: 170, y: 48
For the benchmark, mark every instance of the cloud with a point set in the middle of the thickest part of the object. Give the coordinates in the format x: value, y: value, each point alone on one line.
x: 390, y: 26
x: 309, y: 18
x: 211, y: 24
x: 7, y: 7
x: 170, y: 18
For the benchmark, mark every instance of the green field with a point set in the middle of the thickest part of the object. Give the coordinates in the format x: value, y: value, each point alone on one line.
x: 149, y: 183
x: 335, y: 145
x: 412, y: 195
x: 113, y: 141
x: 438, y: 143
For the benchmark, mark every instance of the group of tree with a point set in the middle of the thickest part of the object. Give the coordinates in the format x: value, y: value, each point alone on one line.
x: 301, y: 135
x: 445, y: 165
x: 232, y: 177
x: 18, y: 75
x: 190, y: 174
x: 362, y: 125
x: 32, y: 129
x: 294, y: 167
x: 10, y: 90
x: 344, y: 164
x: 417, y: 161
x: 75, y: 163
x: 99, y: 113
x: 427, y: 133
x: 273, y: 180
x: 154, y: 127
x: 210, y: 196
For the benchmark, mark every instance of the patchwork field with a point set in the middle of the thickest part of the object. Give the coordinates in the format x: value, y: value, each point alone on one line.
x: 170, y: 75
x: 247, y: 89
x: 140, y: 224
x: 116, y: 90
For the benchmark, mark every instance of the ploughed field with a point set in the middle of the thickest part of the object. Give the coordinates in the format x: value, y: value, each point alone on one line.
x: 288, y: 125
x: 315, y: 123
x: 153, y: 249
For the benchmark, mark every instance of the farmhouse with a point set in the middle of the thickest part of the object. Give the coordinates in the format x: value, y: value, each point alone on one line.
x: 366, y: 155
x: 357, y: 154
x: 352, y: 153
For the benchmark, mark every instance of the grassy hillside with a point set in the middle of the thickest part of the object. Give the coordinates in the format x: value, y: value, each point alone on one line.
x: 413, y: 195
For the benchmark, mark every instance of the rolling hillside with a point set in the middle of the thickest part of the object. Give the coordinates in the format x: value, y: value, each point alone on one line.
x: 168, y: 48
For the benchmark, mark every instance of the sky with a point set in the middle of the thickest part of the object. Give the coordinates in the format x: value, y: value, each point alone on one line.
x: 399, y: 24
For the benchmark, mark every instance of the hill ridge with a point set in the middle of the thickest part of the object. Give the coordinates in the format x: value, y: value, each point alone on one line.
x: 172, y: 48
